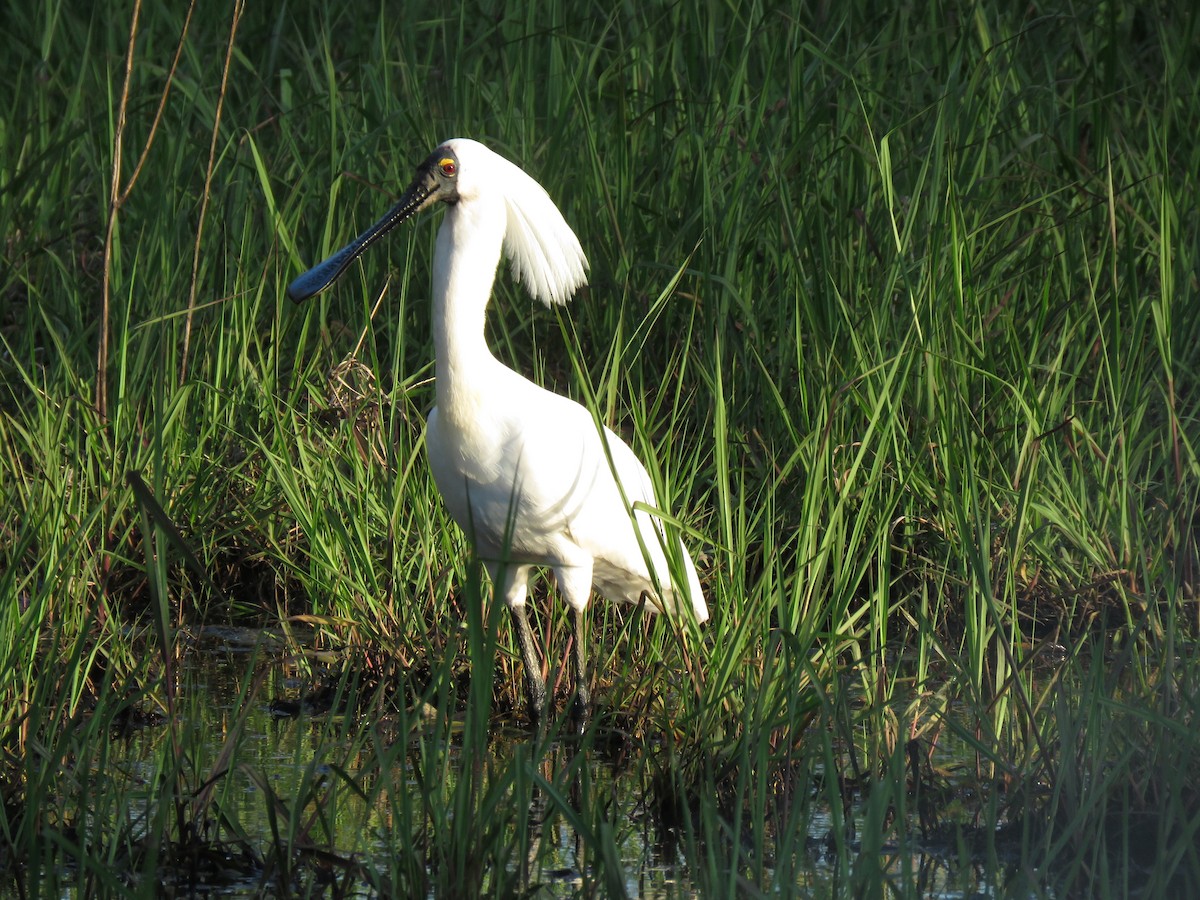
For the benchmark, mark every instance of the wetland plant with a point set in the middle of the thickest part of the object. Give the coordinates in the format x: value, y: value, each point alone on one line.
x: 896, y: 307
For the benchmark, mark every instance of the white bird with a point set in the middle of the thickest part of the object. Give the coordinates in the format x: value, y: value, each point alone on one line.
x: 527, y: 474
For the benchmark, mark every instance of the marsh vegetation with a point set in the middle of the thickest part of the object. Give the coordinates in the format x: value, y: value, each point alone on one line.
x: 898, y: 307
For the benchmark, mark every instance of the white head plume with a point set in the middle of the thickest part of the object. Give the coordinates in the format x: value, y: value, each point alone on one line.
x: 539, y: 244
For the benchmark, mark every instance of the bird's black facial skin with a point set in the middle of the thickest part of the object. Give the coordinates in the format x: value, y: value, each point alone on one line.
x: 443, y: 166
x: 436, y: 179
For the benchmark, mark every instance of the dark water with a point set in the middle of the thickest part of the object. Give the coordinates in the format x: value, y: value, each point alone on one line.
x: 278, y: 756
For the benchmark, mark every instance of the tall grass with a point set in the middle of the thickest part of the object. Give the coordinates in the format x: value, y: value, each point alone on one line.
x: 898, y: 307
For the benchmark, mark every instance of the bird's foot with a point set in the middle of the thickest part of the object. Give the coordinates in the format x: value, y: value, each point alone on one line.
x: 581, y: 710
x: 536, y: 699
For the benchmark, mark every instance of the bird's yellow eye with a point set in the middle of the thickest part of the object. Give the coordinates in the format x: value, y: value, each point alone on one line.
x: 448, y: 167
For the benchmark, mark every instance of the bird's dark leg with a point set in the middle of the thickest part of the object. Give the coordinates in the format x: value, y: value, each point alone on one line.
x: 535, y: 685
x: 583, y: 696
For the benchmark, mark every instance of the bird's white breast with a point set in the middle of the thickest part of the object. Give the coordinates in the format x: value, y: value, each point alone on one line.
x: 513, y: 481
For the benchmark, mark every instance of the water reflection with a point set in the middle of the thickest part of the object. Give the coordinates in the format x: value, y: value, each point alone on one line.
x: 375, y: 795
x: 363, y: 799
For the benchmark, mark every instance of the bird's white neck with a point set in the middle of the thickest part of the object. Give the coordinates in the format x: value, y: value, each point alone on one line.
x: 464, y: 270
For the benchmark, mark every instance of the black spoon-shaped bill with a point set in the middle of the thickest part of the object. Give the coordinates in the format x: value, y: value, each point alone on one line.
x: 326, y: 273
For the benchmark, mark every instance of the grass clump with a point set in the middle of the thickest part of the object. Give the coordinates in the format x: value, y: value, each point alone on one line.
x: 898, y: 308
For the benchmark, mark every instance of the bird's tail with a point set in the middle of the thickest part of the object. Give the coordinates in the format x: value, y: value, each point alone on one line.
x: 695, y: 592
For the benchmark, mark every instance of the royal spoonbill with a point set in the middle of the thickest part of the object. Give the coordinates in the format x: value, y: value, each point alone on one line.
x: 526, y: 473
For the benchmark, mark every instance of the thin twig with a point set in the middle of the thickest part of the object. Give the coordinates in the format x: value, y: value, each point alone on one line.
x: 118, y: 195
x: 238, y: 8
x: 162, y: 105
x: 114, y: 204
